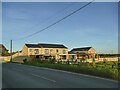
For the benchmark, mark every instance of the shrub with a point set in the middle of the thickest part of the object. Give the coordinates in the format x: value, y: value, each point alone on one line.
x: 52, y: 61
x: 98, y: 70
x: 59, y: 62
x: 24, y: 60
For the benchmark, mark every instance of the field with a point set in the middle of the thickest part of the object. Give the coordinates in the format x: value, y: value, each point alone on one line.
x: 101, y: 69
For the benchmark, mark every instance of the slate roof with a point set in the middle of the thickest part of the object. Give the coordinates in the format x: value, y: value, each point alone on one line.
x: 45, y: 45
x: 76, y: 52
x: 71, y: 52
x: 32, y: 45
x: 81, y: 49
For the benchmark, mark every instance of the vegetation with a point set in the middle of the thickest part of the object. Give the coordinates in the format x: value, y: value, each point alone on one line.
x: 24, y: 60
x: 108, y: 55
x: 4, y: 52
x: 102, y: 69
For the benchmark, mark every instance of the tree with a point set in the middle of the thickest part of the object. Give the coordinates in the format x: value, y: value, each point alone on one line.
x: 3, y: 50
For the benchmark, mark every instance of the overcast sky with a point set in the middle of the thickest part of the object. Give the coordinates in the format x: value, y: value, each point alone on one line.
x: 96, y: 25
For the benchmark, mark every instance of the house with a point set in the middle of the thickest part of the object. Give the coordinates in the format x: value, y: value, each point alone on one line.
x: 46, y: 51
x: 3, y: 50
x: 84, y: 52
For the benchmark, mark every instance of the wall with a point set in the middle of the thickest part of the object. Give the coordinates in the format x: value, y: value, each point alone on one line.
x: 91, y: 50
x: 60, y: 50
x: 32, y: 52
x: 6, y: 58
x: 42, y: 51
x: 25, y: 50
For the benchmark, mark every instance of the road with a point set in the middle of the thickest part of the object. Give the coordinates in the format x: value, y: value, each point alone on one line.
x: 23, y: 76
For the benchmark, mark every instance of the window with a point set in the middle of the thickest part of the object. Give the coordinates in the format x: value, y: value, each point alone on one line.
x: 64, y: 52
x: 36, y: 51
x: 30, y: 50
x: 57, y: 51
x: 51, y: 51
x: 46, y: 51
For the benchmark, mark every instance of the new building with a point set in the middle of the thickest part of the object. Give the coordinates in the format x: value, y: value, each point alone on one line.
x: 46, y: 51
x: 84, y: 52
x: 57, y: 52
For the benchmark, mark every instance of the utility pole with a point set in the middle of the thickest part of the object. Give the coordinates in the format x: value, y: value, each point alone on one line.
x: 11, y: 50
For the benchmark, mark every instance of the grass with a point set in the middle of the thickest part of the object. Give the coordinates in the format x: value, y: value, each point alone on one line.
x: 102, y: 69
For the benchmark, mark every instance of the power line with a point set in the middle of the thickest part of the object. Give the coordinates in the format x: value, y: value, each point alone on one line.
x: 57, y: 21
x: 55, y: 14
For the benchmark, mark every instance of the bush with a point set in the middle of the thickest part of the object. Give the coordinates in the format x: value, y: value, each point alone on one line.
x: 24, y: 60
x: 98, y: 70
x: 52, y: 61
x: 59, y: 62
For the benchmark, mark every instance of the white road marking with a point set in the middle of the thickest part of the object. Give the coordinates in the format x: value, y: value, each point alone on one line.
x: 72, y: 73
x: 18, y: 70
x: 43, y: 77
x: 80, y: 74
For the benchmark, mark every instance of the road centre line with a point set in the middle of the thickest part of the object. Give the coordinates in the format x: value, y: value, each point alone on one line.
x: 43, y: 78
x: 72, y: 73
x: 18, y: 69
x: 37, y: 75
x: 80, y: 74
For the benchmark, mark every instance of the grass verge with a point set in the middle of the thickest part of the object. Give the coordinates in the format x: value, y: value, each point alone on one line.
x: 111, y: 73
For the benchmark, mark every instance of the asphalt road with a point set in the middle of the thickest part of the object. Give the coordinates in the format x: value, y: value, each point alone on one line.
x: 23, y: 76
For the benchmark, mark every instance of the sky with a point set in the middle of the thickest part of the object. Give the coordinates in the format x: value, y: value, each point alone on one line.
x: 95, y: 25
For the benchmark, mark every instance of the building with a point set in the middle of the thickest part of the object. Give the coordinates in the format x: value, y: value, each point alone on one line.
x: 46, y: 51
x: 3, y: 50
x: 84, y: 52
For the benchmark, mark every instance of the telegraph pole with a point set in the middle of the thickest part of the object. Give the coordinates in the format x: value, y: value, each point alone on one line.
x: 11, y: 50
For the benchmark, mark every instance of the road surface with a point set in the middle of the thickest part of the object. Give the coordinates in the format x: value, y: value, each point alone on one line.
x: 23, y: 76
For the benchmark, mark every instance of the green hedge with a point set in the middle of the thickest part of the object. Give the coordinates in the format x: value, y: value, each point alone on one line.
x: 81, y: 68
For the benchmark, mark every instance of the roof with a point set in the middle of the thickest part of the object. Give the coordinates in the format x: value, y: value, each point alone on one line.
x: 32, y: 45
x: 76, y: 52
x: 81, y: 53
x: 71, y: 52
x: 2, y: 46
x: 45, y: 45
x: 52, y: 45
x: 81, y: 49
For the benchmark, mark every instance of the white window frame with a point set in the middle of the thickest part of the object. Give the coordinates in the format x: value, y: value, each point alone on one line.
x: 46, y: 51
x: 36, y: 51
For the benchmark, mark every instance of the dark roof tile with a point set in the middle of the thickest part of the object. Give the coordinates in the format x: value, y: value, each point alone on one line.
x: 32, y: 45
x: 45, y: 45
x: 81, y: 49
x: 52, y: 45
